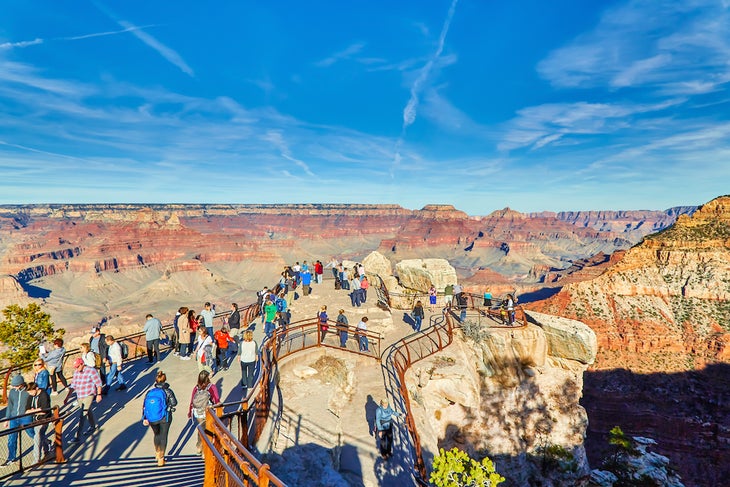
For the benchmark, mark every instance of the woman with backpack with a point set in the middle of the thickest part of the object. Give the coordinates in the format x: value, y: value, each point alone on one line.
x: 417, y: 315
x: 204, y: 394
x: 159, y: 403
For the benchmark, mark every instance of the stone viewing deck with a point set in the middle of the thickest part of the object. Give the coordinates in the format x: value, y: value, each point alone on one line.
x: 319, y: 420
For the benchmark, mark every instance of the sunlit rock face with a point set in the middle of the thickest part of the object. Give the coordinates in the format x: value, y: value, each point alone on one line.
x: 420, y: 274
x: 509, y: 394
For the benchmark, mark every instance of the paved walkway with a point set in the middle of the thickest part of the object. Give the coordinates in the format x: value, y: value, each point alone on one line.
x: 121, y: 452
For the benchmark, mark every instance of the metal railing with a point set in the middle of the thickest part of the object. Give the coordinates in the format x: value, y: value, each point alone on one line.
x: 420, y: 345
x: 55, y: 420
x: 235, y: 427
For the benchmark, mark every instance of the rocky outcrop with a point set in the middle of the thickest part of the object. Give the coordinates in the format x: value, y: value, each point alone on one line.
x: 509, y: 395
x: 420, y: 274
x: 377, y: 263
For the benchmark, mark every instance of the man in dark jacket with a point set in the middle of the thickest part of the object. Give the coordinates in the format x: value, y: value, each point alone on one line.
x: 98, y: 345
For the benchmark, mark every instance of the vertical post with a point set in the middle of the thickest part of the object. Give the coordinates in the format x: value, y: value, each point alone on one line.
x: 243, y: 425
x: 264, y: 475
x: 210, y: 460
x: 58, y: 436
x: 5, y: 385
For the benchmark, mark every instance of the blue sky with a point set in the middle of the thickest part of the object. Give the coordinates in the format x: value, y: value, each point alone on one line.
x: 533, y: 105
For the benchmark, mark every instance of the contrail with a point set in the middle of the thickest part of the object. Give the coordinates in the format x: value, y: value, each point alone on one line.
x: 410, y: 111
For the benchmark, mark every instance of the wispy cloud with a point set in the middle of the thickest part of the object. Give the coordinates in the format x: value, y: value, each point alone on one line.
x: 346, y: 53
x: 12, y: 45
x: 107, y: 33
x: 684, y: 49
x: 277, y: 138
x: 164, y: 51
x: 542, y: 125
x: 411, y: 108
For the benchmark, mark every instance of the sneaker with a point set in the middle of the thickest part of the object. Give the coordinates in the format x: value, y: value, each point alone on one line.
x: 122, y: 387
x: 54, y: 393
x: 8, y: 463
x: 186, y: 358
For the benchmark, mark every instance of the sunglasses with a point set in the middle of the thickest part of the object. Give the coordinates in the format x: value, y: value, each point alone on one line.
x: 37, y: 365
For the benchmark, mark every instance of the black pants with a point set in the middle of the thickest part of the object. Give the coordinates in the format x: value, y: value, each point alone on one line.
x: 58, y: 373
x: 386, y: 441
x: 161, y: 429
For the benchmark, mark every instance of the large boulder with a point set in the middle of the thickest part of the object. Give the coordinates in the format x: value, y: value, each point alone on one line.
x: 419, y: 274
x: 566, y: 338
x: 377, y: 263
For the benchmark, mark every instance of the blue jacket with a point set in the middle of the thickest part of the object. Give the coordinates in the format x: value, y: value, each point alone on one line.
x: 384, y: 416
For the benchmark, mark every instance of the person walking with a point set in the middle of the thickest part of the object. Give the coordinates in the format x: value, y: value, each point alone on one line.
x: 384, y: 427
x: 248, y: 361
x: 153, y: 331
x: 158, y: 406
x: 115, y: 364
x: 39, y: 402
x: 54, y: 364
x: 17, y: 400
x: 86, y: 383
x: 418, y: 315
x: 204, y: 394
x: 342, y: 324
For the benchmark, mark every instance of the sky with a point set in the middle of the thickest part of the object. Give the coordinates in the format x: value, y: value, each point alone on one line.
x: 532, y: 105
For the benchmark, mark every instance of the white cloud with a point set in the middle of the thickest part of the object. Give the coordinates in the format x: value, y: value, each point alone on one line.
x: 12, y: 45
x: 164, y: 51
x: 677, y: 47
x: 346, y: 53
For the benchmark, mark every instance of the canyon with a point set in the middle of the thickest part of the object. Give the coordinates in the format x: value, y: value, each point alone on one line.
x: 658, y: 302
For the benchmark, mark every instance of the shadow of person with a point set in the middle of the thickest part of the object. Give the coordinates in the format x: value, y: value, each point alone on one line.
x: 409, y: 320
x: 370, y: 407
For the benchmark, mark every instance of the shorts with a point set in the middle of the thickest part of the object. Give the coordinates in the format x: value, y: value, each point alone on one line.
x: 432, y: 299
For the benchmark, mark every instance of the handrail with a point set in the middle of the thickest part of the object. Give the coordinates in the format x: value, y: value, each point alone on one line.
x: 418, y: 346
x: 135, y: 343
x: 57, y: 419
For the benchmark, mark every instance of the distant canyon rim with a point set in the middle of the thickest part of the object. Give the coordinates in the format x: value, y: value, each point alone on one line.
x: 114, y: 263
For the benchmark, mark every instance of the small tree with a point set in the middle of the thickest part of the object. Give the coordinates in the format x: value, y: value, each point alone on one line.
x: 454, y: 468
x: 22, y: 331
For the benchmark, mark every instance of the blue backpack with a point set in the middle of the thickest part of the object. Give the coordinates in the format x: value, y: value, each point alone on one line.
x: 280, y: 304
x: 155, y: 405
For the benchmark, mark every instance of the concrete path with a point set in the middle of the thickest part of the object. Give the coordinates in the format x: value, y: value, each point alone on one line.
x: 122, y: 453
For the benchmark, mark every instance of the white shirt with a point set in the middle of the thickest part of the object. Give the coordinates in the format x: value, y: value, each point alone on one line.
x: 362, y: 326
x: 201, y: 346
x: 115, y: 353
x: 89, y: 359
x: 248, y: 351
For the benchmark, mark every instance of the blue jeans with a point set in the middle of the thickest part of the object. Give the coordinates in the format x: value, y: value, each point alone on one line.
x: 269, y: 328
x: 114, y: 370
x: 418, y: 322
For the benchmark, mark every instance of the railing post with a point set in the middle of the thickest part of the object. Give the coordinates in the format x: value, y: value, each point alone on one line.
x: 210, y: 460
x: 264, y: 475
x: 5, y: 385
x: 58, y: 436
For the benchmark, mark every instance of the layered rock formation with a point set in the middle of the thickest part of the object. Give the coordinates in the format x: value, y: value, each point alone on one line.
x: 663, y: 309
x: 512, y: 395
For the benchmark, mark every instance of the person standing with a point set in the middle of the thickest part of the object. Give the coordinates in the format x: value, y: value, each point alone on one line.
x: 355, y: 295
x: 318, y: 271
x: 248, y: 361
x: 511, y: 309
x: 115, y: 364
x: 384, y: 426
x: 342, y: 324
x: 461, y: 301
x: 98, y: 345
x: 88, y: 356
x: 54, y: 363
x: 362, y: 338
x: 448, y: 295
x: 234, y: 321
x: 487, y: 299
x: 418, y: 315
x: 306, y: 278
x: 204, y: 351
x: 204, y: 394
x: 208, y: 314
x: 270, y: 315
x: 17, y: 400
x: 153, y: 331
x: 364, y: 285
x: 86, y: 384
x: 222, y: 340
x: 42, y: 378
x: 159, y: 404
x: 183, y: 326
x: 431, y: 297
x: 322, y: 320
x: 39, y: 402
